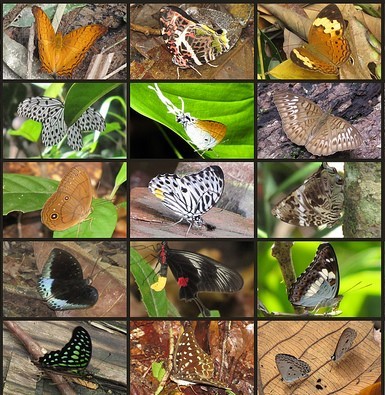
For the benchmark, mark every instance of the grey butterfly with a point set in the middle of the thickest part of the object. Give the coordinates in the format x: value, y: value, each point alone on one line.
x: 291, y: 368
x: 50, y: 112
x: 344, y: 343
x: 305, y: 123
x: 317, y: 202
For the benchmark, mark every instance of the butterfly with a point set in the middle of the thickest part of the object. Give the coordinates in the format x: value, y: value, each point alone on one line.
x: 344, y: 343
x: 327, y: 49
x: 195, y: 273
x: 73, y: 358
x: 190, y: 196
x: 305, y: 123
x: 62, y: 284
x: 191, y: 43
x: 319, y: 284
x: 50, y: 112
x: 317, y: 202
x: 61, y: 55
x: 191, y: 365
x: 291, y: 368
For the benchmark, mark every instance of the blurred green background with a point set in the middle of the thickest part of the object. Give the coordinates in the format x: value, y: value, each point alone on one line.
x: 359, y: 265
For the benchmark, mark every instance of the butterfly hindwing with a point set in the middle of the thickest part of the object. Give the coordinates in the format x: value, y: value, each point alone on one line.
x: 291, y: 368
x: 318, y: 286
x: 317, y: 202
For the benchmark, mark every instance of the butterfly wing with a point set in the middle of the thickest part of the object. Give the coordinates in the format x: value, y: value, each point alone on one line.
x: 344, y: 343
x: 318, y: 286
x: 62, y: 285
x: 74, y: 357
x: 89, y: 120
x: 291, y: 368
x: 317, y: 202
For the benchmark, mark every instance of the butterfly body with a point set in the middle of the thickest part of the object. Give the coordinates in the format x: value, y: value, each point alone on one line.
x: 291, y: 368
x: 318, y: 286
x: 196, y: 273
x: 327, y: 48
x: 61, y: 55
x: 190, y: 196
x: 305, y: 123
x: 62, y: 284
x: 317, y: 202
x: 71, y: 203
x: 50, y: 112
x: 190, y: 42
x: 73, y: 358
x: 192, y: 365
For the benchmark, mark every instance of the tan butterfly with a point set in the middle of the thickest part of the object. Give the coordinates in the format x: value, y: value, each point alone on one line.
x: 61, y: 55
x: 305, y: 123
x: 327, y: 49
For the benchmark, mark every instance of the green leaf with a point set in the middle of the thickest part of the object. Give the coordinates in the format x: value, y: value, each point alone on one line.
x: 158, y: 371
x: 229, y: 103
x: 30, y: 130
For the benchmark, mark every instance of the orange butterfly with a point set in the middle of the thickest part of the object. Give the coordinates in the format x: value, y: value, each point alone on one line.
x: 61, y: 55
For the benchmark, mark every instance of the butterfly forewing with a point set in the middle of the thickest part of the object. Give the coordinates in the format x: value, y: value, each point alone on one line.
x: 291, y: 368
x: 62, y: 284
x: 74, y: 357
x: 305, y: 123
x: 344, y: 343
x: 191, y: 364
x: 192, y: 195
x: 317, y: 202
x: 318, y: 286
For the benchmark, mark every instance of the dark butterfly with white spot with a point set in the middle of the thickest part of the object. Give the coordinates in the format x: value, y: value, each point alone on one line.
x: 195, y: 273
x: 319, y: 284
x: 344, y: 343
x: 191, y: 364
x: 317, y: 202
x: 191, y: 43
x: 190, y: 196
x: 50, y: 112
x: 73, y: 358
x: 62, y: 285
x: 291, y: 368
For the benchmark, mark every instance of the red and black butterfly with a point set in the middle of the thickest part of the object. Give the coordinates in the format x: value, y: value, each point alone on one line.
x: 195, y: 273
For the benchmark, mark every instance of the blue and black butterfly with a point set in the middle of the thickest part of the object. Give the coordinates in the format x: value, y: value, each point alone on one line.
x: 319, y: 284
x: 62, y: 284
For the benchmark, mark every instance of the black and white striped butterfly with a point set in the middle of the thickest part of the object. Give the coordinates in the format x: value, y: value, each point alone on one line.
x: 190, y: 196
x: 317, y: 202
x: 62, y: 285
x: 195, y: 273
x: 318, y: 285
x: 50, y: 112
x: 344, y: 343
x: 291, y: 368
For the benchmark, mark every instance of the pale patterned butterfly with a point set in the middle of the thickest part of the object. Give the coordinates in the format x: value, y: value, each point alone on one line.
x: 191, y: 364
x: 204, y: 134
x: 305, y: 123
x: 319, y: 284
x: 317, y: 202
x: 190, y: 196
x: 344, y: 343
x: 50, y: 112
x: 191, y: 43
x: 291, y: 368
x: 327, y: 49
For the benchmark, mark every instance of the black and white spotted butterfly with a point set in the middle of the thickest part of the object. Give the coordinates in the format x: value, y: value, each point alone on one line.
x: 50, y: 112
x: 190, y: 196
x: 318, y: 285
x: 291, y: 368
x: 317, y: 202
x: 344, y: 343
x: 62, y: 285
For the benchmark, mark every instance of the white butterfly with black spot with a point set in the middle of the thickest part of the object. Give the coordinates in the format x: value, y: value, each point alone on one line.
x: 50, y: 112
x: 291, y: 368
